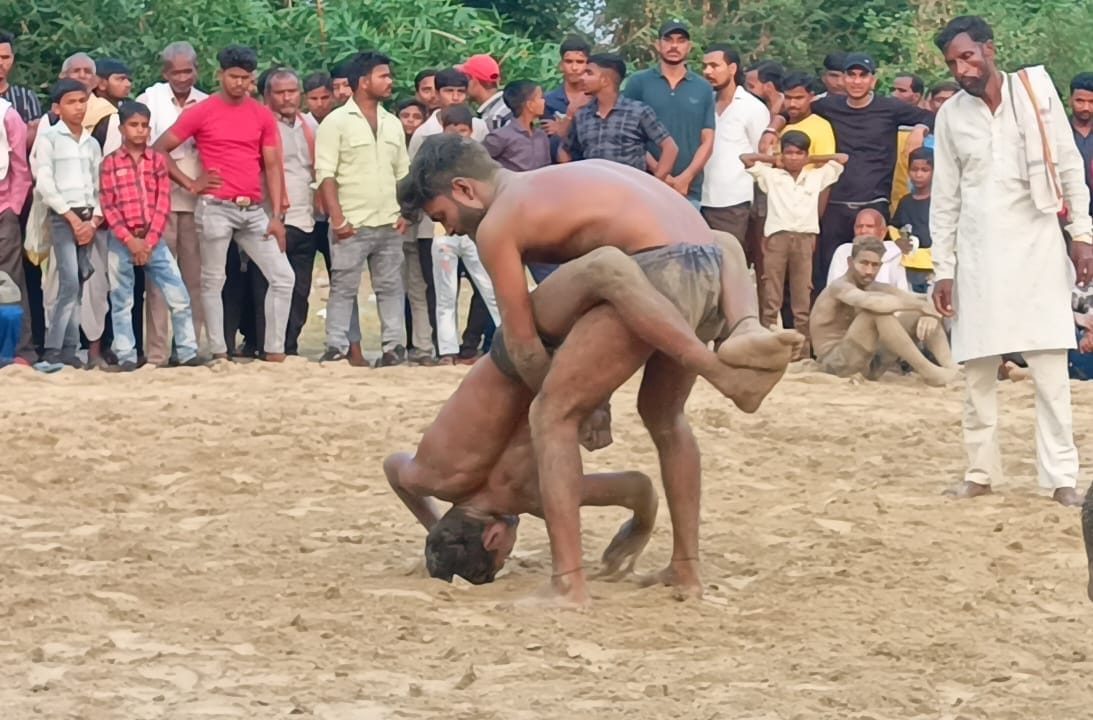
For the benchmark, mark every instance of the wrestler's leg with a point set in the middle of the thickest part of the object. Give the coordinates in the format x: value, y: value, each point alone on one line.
x: 894, y: 337
x: 936, y: 342
x: 599, y: 354
x: 665, y: 388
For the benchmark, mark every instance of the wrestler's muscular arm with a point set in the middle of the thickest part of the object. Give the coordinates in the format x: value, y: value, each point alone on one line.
x: 881, y: 299
x: 501, y: 256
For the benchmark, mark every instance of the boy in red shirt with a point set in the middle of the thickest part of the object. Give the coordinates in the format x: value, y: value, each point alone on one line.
x: 135, y: 196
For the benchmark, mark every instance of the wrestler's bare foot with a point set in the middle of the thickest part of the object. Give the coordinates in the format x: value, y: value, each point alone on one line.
x: 1068, y: 497
x: 566, y: 591
x: 753, y: 360
x: 940, y: 377
x: 625, y: 548
x: 681, y: 575
x: 967, y: 490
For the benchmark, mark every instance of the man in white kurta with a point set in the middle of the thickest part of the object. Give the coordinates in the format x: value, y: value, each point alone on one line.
x: 1000, y: 259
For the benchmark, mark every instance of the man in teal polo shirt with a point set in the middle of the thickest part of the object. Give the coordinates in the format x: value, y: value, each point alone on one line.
x: 684, y: 102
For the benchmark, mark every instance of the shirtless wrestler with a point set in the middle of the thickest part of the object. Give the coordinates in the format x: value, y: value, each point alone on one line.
x: 475, y: 457
x: 855, y: 320
x: 600, y: 212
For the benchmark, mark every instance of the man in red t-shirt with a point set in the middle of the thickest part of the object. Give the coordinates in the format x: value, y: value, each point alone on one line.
x: 238, y: 142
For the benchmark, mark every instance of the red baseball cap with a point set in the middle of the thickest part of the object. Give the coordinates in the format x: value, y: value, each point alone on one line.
x: 482, y: 68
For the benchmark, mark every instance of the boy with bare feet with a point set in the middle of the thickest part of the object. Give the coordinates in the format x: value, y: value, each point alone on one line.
x: 856, y: 318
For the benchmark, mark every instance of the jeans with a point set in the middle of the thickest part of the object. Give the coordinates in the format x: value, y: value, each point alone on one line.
x: 300, y: 250
x: 181, y: 238
x: 381, y: 249
x: 218, y: 224
x: 63, y: 328
x: 11, y: 326
x: 162, y: 271
x: 447, y: 252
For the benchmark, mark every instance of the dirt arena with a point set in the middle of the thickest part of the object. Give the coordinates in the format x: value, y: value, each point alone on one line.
x: 221, y: 543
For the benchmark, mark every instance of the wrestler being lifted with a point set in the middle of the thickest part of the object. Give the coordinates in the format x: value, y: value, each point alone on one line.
x: 559, y: 213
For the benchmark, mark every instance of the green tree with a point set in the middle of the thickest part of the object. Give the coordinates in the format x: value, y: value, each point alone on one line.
x: 305, y: 35
x: 534, y: 18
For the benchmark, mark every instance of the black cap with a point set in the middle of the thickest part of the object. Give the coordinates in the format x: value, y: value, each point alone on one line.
x: 674, y: 26
x: 105, y: 67
x: 860, y: 61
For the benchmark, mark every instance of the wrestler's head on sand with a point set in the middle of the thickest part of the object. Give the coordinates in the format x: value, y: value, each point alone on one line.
x: 453, y: 179
x: 865, y: 260
x: 469, y: 543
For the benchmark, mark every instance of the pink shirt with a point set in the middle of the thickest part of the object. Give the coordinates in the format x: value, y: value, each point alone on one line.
x: 15, y: 187
x: 230, y: 139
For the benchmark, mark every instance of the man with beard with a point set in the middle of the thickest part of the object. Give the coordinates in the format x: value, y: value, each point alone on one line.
x: 683, y: 102
x: 1004, y: 166
x: 167, y: 100
x: 727, y: 189
x: 1081, y: 122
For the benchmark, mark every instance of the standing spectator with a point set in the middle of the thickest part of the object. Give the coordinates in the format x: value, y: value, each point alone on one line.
x: 914, y: 213
x: 136, y: 201
x: 15, y: 185
x: 411, y: 113
x: 319, y: 95
x: 906, y: 88
x: 425, y: 89
x: 167, y: 100
x: 282, y: 93
x: 834, y: 75
x: 614, y: 127
x: 564, y: 101
x: 793, y: 191
x: 239, y: 145
x: 484, y: 79
x: 940, y: 93
x: 866, y: 128
x: 727, y: 189
x: 1081, y: 122
x: 520, y: 146
x: 683, y: 101
x: 797, y: 89
x: 419, y: 324
x: 999, y: 257
x: 339, y: 81
x: 448, y: 252
x: 360, y: 155
x: 29, y: 279
x: 764, y: 81
x: 66, y: 166
x: 451, y: 89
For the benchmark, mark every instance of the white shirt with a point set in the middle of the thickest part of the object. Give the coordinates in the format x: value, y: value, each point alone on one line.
x: 793, y: 204
x: 66, y: 168
x: 163, y: 104
x: 739, y: 128
x: 432, y: 126
x: 1012, y: 277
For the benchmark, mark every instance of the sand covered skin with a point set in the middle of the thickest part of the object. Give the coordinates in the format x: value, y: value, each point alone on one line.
x: 221, y: 543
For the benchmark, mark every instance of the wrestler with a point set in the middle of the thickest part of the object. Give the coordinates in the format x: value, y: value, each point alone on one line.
x: 596, y: 209
x: 856, y: 320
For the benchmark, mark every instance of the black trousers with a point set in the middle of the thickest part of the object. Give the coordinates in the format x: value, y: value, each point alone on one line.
x: 837, y: 228
x: 239, y: 310
x: 300, y: 247
x: 425, y: 256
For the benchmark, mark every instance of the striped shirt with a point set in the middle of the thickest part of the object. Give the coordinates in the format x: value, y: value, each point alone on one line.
x: 67, y: 169
x: 24, y: 101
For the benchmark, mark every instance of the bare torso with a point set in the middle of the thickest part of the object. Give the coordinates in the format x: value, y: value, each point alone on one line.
x: 831, y: 317
x: 562, y: 212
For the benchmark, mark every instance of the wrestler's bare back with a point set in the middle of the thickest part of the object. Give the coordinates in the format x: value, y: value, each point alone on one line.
x: 562, y: 212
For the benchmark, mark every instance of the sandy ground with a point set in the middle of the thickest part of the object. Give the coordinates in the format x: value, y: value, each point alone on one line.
x: 204, y: 543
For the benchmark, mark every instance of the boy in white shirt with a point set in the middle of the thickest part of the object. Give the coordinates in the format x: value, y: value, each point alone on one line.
x: 793, y: 220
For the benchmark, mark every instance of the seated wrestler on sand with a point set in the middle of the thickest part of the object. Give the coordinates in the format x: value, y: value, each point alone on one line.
x: 857, y: 321
x: 645, y: 283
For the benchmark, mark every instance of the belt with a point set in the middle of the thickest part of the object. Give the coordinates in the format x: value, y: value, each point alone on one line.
x: 858, y: 205
x: 242, y: 202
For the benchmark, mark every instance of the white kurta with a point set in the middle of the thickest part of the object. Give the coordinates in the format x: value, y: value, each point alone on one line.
x: 1012, y: 276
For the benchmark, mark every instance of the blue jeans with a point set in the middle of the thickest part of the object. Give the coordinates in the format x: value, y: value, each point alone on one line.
x: 11, y: 325
x: 163, y: 272
x: 63, y: 332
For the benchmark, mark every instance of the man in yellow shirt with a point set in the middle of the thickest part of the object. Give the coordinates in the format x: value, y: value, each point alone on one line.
x: 797, y: 89
x: 908, y: 88
x: 360, y: 155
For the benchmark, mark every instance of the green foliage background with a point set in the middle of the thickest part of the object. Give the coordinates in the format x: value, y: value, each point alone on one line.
x: 523, y: 34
